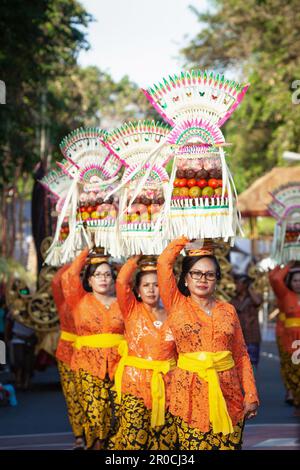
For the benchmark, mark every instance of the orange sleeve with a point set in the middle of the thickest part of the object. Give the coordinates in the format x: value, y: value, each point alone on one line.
x: 71, y: 283
x: 125, y: 296
x: 168, y: 289
x: 243, y: 364
x: 276, y: 278
x: 57, y: 291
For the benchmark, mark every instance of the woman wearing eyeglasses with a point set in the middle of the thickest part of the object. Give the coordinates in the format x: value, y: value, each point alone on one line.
x: 99, y: 326
x: 148, y: 355
x: 213, y: 387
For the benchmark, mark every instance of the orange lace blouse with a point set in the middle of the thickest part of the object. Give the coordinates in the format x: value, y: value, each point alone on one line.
x: 289, y: 303
x: 64, y: 349
x: 144, y: 339
x: 194, y: 331
x: 91, y: 317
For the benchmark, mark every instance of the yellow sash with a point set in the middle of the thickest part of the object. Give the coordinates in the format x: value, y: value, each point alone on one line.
x: 207, y: 365
x: 157, y: 382
x: 102, y: 340
x: 68, y: 336
x: 292, y: 322
x: 281, y: 317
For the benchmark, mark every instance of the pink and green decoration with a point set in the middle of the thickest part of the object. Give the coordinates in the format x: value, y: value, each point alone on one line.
x: 285, y: 208
x: 201, y: 201
x: 141, y: 205
x: 93, y: 171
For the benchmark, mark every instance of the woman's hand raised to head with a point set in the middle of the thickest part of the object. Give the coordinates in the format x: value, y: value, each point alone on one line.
x: 136, y: 258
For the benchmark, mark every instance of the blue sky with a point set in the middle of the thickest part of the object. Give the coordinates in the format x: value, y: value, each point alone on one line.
x: 140, y: 38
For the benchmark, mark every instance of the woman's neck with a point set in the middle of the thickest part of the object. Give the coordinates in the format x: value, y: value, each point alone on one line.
x: 105, y: 299
x: 205, y: 302
x: 156, y: 311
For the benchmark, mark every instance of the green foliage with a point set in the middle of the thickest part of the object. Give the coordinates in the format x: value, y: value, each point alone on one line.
x: 48, y: 94
x: 258, y: 41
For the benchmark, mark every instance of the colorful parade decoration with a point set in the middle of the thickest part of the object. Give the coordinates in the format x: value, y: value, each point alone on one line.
x: 94, y: 171
x: 201, y: 202
x: 58, y: 184
x: 141, y: 208
x: 285, y: 208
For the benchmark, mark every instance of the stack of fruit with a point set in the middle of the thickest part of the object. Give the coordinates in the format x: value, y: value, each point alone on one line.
x: 146, y: 207
x: 191, y: 183
x: 292, y: 235
x: 93, y: 207
x: 64, y: 230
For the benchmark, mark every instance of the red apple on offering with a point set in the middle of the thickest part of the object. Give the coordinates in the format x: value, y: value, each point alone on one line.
x: 202, y: 183
x: 182, y: 183
x: 191, y: 182
x: 213, y: 183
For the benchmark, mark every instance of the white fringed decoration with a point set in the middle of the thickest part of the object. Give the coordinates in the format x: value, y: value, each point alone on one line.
x: 52, y: 251
x: 200, y: 218
x: 291, y: 251
x: 138, y: 239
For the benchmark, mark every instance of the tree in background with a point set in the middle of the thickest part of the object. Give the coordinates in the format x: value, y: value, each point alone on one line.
x: 48, y: 95
x: 258, y: 41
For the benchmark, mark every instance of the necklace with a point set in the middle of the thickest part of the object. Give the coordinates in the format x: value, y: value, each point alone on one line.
x: 207, y: 310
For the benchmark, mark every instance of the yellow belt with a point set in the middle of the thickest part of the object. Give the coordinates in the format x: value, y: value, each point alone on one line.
x: 281, y: 317
x: 207, y: 365
x: 68, y: 336
x: 157, y: 382
x: 292, y: 322
x: 102, y: 340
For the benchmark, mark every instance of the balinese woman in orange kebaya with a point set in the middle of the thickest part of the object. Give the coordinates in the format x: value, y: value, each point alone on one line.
x: 212, y: 388
x: 286, y: 285
x: 148, y: 355
x: 64, y: 354
x: 99, y: 326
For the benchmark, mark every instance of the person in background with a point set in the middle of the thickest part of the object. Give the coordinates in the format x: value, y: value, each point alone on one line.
x: 285, y: 283
x: 3, y: 312
x: 247, y: 303
x: 22, y: 341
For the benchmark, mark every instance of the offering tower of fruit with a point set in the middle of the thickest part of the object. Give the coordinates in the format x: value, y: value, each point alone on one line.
x: 94, y: 172
x: 201, y: 202
x: 285, y: 208
x: 58, y: 184
x: 141, y: 209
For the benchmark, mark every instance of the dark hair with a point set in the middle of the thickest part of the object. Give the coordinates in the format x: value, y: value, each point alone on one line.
x: 289, y: 278
x: 90, y: 270
x: 187, y: 264
x: 244, y: 279
x: 137, y: 282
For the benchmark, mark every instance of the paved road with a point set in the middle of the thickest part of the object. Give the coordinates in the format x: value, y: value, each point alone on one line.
x: 40, y: 421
